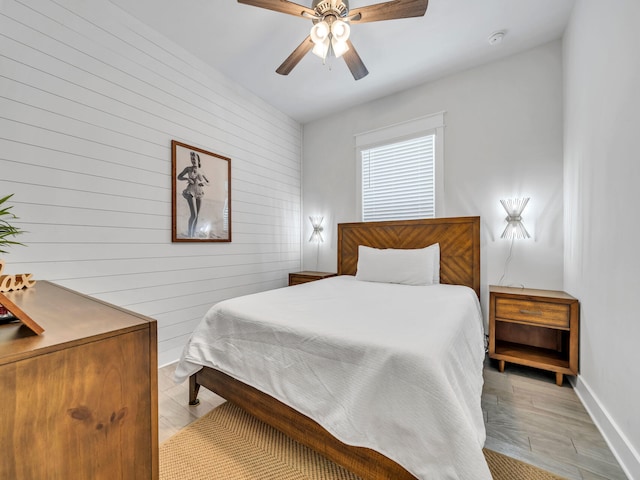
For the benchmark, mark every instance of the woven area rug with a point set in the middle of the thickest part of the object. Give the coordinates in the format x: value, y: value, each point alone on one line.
x: 229, y: 444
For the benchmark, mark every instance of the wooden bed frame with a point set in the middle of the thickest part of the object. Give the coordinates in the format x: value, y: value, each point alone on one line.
x: 459, y: 240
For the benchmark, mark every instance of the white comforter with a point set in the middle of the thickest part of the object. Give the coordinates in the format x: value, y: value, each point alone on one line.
x: 394, y: 368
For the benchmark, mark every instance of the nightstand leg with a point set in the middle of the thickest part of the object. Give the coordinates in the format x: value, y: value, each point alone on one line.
x: 501, y: 366
x: 559, y: 379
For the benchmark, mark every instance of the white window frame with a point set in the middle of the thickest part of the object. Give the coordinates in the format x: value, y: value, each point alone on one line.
x: 418, y: 127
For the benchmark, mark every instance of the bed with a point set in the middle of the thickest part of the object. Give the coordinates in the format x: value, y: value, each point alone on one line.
x: 401, y: 416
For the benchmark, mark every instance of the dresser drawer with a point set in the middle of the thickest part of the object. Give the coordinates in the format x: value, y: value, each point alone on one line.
x: 533, y: 312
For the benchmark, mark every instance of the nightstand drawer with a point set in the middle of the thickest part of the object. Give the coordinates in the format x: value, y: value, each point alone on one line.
x: 298, y: 279
x: 532, y: 312
x: 307, y: 276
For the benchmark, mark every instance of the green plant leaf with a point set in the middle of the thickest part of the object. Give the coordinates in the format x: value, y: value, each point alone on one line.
x: 6, y: 229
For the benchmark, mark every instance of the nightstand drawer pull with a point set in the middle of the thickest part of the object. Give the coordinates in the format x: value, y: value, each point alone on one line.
x: 531, y: 312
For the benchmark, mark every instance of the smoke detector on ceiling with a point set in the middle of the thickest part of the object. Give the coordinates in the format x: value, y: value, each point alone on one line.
x: 496, y: 37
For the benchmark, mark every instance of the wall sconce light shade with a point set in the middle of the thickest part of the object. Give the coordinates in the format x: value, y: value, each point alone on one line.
x: 316, y: 223
x: 514, y: 208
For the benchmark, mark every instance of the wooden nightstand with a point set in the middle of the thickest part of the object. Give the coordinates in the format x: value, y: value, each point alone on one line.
x: 307, y: 276
x: 537, y: 328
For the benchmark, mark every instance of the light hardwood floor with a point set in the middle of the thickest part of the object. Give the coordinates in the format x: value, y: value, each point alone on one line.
x: 527, y: 416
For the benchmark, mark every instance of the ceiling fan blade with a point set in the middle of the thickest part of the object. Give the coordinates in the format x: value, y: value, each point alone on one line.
x: 295, y: 57
x: 282, y: 6
x: 389, y: 11
x: 354, y: 62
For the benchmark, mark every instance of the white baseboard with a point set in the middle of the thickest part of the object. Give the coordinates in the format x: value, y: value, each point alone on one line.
x: 624, y: 452
x: 167, y: 357
x: 165, y: 362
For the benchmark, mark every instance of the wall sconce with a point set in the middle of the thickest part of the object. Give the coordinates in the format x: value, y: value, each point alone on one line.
x: 316, y: 223
x: 514, y: 208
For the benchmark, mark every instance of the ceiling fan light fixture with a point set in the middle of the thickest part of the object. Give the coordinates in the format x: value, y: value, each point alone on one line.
x: 339, y: 47
x: 339, y: 8
x: 321, y: 49
x: 320, y: 32
x: 340, y: 30
x: 331, y: 29
x: 320, y: 36
x: 326, y: 34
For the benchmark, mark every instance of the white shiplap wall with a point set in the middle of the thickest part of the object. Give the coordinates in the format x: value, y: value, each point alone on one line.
x: 90, y: 100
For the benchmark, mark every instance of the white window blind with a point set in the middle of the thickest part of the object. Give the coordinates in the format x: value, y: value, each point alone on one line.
x: 398, y: 180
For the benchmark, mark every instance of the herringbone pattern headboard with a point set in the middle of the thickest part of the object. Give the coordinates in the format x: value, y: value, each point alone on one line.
x: 459, y: 240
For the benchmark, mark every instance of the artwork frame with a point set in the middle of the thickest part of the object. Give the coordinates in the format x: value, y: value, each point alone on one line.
x: 200, y: 195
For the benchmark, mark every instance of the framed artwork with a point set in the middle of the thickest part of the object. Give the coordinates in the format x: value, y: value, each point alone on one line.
x: 201, y: 195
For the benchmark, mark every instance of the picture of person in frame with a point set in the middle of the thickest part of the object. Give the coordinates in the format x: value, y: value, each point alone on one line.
x: 203, y: 179
x: 194, y: 191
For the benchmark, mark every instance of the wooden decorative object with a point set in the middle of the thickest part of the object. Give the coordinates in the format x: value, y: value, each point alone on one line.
x: 9, y: 283
x: 20, y: 315
x: 459, y: 240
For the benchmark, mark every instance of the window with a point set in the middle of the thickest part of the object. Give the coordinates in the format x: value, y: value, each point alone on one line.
x: 400, y: 174
x: 398, y: 180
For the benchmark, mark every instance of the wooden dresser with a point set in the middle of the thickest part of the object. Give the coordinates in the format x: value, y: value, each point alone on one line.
x: 538, y: 328
x: 79, y: 401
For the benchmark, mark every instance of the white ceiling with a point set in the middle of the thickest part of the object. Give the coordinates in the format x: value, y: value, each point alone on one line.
x: 248, y: 43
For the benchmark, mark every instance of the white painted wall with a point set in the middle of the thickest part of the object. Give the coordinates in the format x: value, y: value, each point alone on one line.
x: 503, y: 138
x: 602, y: 171
x: 90, y: 100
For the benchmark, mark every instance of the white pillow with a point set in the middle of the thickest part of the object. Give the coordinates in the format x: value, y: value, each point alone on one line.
x: 418, y: 266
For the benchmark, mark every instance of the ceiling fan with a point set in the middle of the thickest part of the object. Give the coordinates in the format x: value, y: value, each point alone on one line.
x: 331, y: 27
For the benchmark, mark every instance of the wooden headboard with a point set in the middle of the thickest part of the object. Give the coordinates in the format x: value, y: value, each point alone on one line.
x: 459, y: 239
